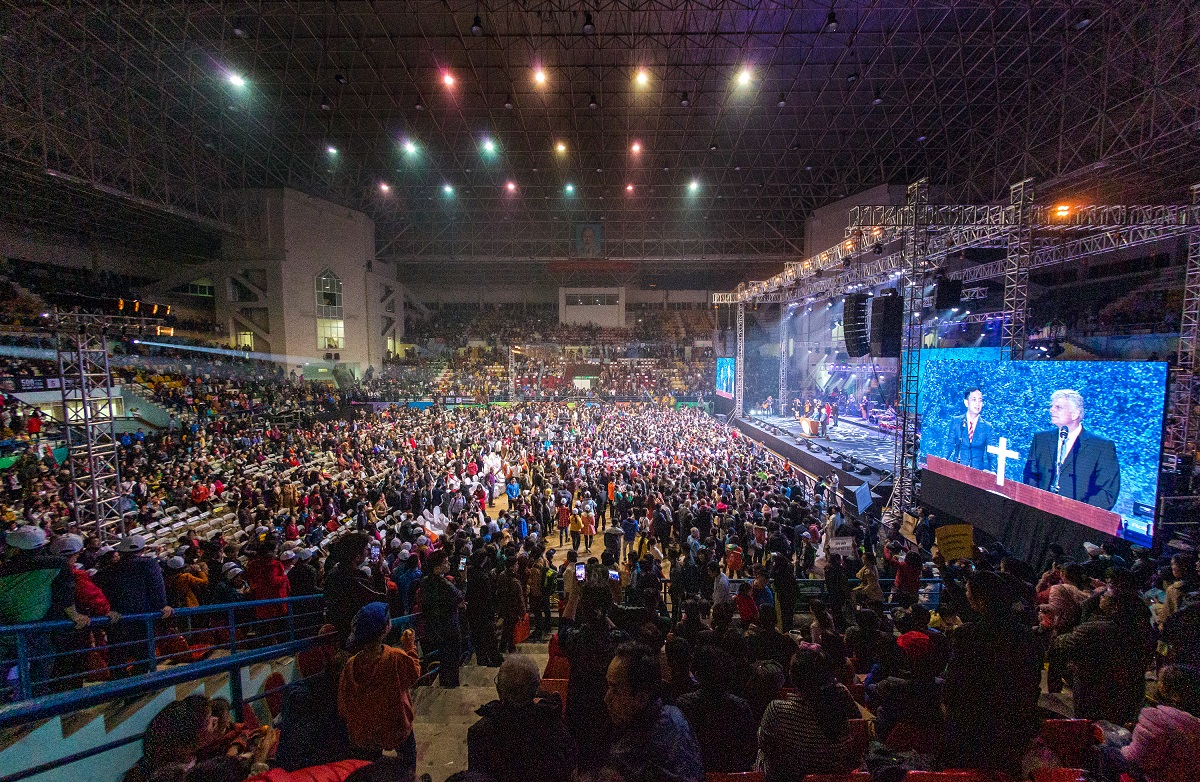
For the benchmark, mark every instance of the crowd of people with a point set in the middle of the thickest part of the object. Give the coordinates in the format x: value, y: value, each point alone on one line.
x: 679, y: 557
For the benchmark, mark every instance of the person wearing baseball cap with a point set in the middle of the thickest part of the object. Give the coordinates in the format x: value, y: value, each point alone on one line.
x: 36, y: 585
x: 373, y: 691
x: 133, y: 585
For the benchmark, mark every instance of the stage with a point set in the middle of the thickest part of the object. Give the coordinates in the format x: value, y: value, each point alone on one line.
x: 850, y: 438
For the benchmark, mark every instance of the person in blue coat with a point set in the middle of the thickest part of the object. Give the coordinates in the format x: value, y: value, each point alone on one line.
x: 133, y: 585
x: 970, y: 435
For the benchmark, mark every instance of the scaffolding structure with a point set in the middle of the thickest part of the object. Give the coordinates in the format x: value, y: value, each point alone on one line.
x: 85, y: 382
x: 739, y: 396
x: 905, y: 245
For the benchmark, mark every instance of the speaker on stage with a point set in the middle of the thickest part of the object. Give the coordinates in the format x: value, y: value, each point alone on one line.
x: 949, y: 294
x: 887, y: 319
x: 854, y: 325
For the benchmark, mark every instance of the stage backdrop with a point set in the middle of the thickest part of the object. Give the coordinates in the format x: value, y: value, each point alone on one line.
x: 726, y: 372
x: 1123, y: 402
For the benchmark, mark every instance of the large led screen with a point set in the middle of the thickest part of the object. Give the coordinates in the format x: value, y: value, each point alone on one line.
x: 1080, y: 439
x: 726, y: 376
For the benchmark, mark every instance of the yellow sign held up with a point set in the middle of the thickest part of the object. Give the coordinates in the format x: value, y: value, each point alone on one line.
x: 955, y: 541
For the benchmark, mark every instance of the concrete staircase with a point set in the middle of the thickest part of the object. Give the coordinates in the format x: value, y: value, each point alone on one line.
x: 443, y: 716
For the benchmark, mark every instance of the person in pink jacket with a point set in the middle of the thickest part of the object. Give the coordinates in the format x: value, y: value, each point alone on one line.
x: 1166, y: 739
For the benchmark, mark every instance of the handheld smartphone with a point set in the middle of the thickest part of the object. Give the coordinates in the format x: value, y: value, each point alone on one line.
x: 580, y: 572
x: 462, y: 563
x: 374, y: 553
x: 614, y: 575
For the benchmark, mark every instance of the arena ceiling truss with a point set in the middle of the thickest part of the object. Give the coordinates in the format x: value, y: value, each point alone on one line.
x: 138, y: 119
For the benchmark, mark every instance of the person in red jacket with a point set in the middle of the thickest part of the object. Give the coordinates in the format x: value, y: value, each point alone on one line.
x: 200, y: 495
x: 90, y: 602
x: 908, y: 575
x: 268, y: 581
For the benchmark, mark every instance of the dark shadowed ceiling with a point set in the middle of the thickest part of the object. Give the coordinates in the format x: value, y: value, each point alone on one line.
x: 134, y: 102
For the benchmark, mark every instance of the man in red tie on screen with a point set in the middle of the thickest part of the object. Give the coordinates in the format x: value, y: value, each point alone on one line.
x: 1071, y: 461
x: 970, y: 435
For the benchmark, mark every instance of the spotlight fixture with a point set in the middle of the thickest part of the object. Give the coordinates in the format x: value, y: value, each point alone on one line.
x: 420, y: 106
x: 447, y: 189
x: 636, y: 147
x: 712, y: 147
x: 331, y: 150
x: 628, y: 188
x: 339, y: 78
x: 877, y: 99
x: 743, y: 77
x: 512, y: 187
x: 539, y: 76
x: 683, y: 100
x: 642, y: 78
x: 476, y: 26
x: 1084, y: 21
x: 410, y: 147
x: 589, y: 27
x: 782, y: 100
x: 448, y: 79
x: 560, y: 148
x: 831, y: 23
x: 693, y: 186
x: 852, y: 78
x: 384, y: 188
x: 921, y: 138
x: 878, y: 249
x: 508, y: 104
x: 592, y: 104
x: 489, y: 146
x: 236, y: 80
x: 569, y: 188
x: 325, y: 104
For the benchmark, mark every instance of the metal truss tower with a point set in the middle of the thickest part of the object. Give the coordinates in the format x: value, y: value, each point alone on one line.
x: 87, y: 398
x: 916, y: 279
x: 783, y: 359
x: 1016, y: 268
x: 1181, y: 431
x: 739, y: 387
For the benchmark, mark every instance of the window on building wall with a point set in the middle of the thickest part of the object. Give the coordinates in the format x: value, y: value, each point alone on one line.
x: 331, y: 324
x: 245, y: 340
x: 391, y: 345
x: 331, y: 333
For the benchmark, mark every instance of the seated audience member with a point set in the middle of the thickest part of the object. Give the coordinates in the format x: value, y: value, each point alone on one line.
x: 992, y: 682
x: 809, y: 731
x: 723, y: 724
x: 868, y: 644
x: 1166, y: 739
x: 539, y: 749
x: 906, y: 716
x: 652, y: 740
x: 373, y: 690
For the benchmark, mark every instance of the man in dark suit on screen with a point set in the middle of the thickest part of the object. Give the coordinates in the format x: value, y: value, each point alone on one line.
x: 970, y: 435
x: 1071, y: 461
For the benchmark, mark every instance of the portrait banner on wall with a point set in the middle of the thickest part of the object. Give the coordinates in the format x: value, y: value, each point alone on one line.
x: 588, y: 239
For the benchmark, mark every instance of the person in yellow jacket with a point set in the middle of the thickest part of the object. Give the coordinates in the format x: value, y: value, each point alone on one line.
x: 575, y: 527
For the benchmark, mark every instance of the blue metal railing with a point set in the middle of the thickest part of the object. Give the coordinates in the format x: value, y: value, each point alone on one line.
x: 43, y: 657
x: 57, y: 704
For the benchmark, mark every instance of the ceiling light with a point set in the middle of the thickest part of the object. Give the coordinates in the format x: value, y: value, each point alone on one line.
x: 539, y: 76
x: 489, y: 146
x: 744, y: 77
x: 508, y: 104
x: 852, y: 78
x: 420, y: 106
x: 383, y: 187
x: 636, y: 147
x: 1084, y: 21
x: 447, y: 189
x: 339, y: 78
x: 331, y: 150
x: 570, y: 188
x: 236, y: 80
x: 831, y: 23
x: 512, y: 187
x: 239, y: 32
x: 693, y: 186
x: 712, y: 147
x: 560, y: 148
x: 592, y: 104
x: 921, y: 138
x: 448, y: 79
x: 628, y: 188
x: 782, y: 100
x: 476, y: 26
x: 877, y: 99
x: 683, y: 100
x: 410, y: 147
x: 589, y: 27
x: 642, y: 78
x: 325, y: 104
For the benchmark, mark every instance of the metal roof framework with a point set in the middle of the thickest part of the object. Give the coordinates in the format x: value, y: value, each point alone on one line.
x: 134, y: 100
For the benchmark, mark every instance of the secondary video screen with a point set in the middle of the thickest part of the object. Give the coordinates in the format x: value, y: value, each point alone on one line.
x: 1080, y: 439
x: 726, y: 376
